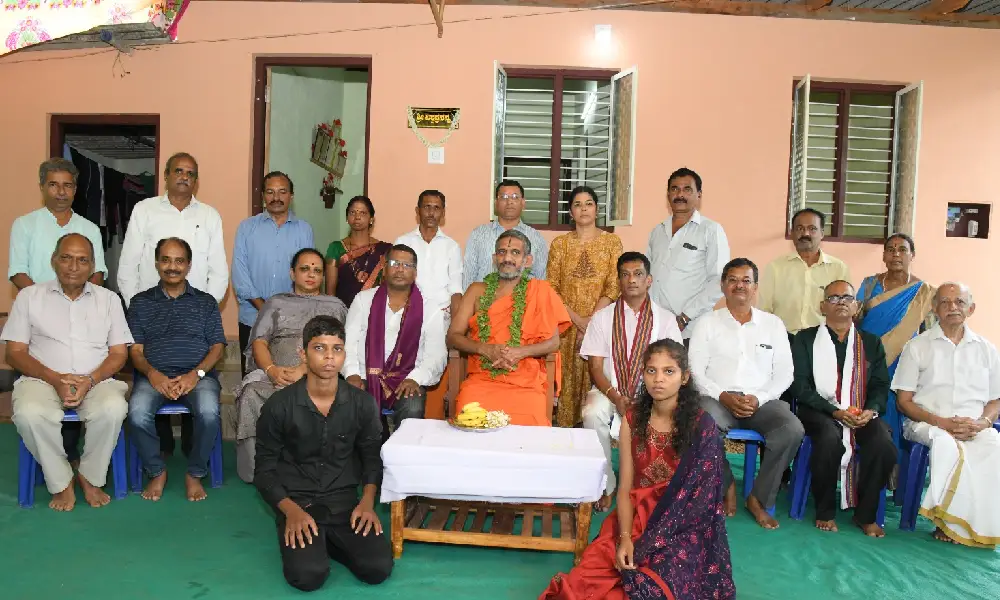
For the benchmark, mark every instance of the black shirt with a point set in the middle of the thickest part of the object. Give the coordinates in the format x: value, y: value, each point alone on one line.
x: 314, y: 459
x: 804, y: 385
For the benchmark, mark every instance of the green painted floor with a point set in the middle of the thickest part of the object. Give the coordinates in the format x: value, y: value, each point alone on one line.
x: 225, y: 548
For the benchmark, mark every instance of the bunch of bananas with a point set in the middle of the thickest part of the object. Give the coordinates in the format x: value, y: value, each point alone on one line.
x: 474, y: 415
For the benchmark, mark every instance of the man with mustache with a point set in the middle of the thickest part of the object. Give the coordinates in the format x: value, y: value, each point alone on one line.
x: 613, y: 347
x: 175, y: 214
x: 791, y: 286
x: 741, y: 363
x: 265, y: 244
x: 33, y: 236
x: 842, y: 386
x: 68, y: 337
x: 508, y: 205
x: 947, y: 384
x: 395, y: 340
x: 687, y: 252
x: 178, y: 339
x: 507, y: 325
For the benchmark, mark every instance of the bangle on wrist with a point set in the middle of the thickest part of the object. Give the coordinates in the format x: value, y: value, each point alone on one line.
x: 269, y: 367
x: 607, y: 392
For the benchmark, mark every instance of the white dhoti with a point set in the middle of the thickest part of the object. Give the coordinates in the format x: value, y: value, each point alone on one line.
x: 965, y: 484
x: 600, y: 414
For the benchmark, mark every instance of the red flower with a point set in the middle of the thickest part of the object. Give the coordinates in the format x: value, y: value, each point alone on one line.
x: 343, y: 153
x: 336, y: 123
x: 342, y: 143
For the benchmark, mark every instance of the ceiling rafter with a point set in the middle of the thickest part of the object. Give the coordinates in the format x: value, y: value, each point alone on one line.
x: 944, y: 7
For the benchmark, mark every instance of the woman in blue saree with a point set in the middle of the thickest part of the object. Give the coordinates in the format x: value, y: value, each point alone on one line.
x: 895, y: 306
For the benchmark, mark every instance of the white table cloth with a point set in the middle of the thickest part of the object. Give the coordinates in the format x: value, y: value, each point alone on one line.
x: 427, y: 457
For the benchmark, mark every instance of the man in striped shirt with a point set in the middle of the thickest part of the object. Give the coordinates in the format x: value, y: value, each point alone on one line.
x: 178, y: 339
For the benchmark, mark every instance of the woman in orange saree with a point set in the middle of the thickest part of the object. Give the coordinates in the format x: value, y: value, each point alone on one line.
x: 667, y: 537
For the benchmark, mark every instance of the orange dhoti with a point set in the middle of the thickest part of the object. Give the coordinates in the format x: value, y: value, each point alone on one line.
x: 520, y: 393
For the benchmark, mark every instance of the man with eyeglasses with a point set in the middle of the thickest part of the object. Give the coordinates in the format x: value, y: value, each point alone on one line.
x: 509, y: 205
x: 791, y: 286
x: 174, y: 214
x: 741, y: 363
x: 265, y: 245
x: 687, y: 252
x: 395, y: 340
x: 947, y: 384
x: 842, y: 386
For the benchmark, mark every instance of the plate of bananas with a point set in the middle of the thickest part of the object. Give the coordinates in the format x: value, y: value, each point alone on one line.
x: 477, y: 419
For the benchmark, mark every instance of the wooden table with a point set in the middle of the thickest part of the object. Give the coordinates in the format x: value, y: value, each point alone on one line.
x: 491, y: 525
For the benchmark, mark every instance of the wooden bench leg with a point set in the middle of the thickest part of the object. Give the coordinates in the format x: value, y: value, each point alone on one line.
x: 398, y: 509
x: 583, y: 513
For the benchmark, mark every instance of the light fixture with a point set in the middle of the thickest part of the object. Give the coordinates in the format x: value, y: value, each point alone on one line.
x: 602, y: 34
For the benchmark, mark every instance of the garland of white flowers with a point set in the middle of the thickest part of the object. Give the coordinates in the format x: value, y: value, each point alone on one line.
x: 416, y: 131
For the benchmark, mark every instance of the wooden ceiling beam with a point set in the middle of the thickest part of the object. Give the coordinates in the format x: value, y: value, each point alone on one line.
x: 938, y: 12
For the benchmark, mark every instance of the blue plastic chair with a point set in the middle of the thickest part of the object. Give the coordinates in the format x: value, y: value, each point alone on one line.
x: 214, y: 460
x: 801, y: 480
x: 29, y: 472
x: 752, y: 442
x: 912, y: 475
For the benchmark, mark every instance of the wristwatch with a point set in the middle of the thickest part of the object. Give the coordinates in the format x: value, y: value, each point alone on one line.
x: 201, y: 374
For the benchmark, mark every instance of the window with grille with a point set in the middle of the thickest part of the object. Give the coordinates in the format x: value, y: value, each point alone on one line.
x: 555, y: 130
x: 853, y: 157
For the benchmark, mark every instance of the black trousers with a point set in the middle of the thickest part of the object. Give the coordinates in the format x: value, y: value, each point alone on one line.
x: 877, y: 458
x: 369, y: 557
x: 244, y: 342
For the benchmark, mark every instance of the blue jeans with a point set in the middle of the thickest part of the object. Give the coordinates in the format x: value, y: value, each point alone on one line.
x: 204, y: 404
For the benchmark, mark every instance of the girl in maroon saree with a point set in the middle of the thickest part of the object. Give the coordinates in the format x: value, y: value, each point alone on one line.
x: 670, y: 500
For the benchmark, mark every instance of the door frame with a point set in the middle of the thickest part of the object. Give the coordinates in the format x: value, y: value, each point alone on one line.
x: 58, y: 123
x: 261, y: 63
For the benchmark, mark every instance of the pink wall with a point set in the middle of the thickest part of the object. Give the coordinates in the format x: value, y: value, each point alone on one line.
x: 714, y: 95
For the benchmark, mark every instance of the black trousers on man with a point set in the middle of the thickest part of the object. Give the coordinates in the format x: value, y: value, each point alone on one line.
x: 244, y: 343
x: 877, y: 455
x: 368, y: 557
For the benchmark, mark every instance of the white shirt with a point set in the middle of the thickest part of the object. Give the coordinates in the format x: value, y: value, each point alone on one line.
x: 439, y: 266
x: 949, y: 380
x: 753, y: 358
x: 687, y: 266
x: 597, y: 340
x: 432, y: 354
x: 154, y: 219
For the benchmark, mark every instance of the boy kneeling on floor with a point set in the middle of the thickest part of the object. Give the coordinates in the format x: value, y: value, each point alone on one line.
x: 317, y: 441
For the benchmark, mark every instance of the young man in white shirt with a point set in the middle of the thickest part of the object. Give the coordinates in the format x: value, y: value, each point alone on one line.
x: 614, y: 355
x: 396, y: 340
x: 175, y: 214
x: 741, y: 362
x: 687, y: 252
x: 948, y: 385
x: 439, y: 257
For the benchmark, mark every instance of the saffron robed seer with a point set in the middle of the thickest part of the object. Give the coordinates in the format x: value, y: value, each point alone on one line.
x: 508, y: 324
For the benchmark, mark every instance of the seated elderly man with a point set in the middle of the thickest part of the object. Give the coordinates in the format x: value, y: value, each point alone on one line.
x: 395, y: 340
x: 68, y: 337
x: 842, y: 384
x: 948, y: 386
x: 178, y: 339
x: 509, y: 323
x: 741, y: 362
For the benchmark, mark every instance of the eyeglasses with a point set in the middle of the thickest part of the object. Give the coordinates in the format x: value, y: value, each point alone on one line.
x: 398, y: 263
x: 843, y: 299
x: 509, y: 197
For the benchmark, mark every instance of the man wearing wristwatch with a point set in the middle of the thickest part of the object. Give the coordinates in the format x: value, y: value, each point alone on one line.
x: 947, y: 385
x: 67, y: 338
x: 179, y: 338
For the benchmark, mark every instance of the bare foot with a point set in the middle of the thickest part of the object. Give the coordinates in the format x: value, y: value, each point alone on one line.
x: 729, y: 501
x: 154, y: 489
x: 871, y: 529
x: 195, y: 491
x: 604, y: 504
x: 94, y: 495
x: 64, y: 500
x: 940, y: 535
x: 830, y: 525
x: 760, y: 514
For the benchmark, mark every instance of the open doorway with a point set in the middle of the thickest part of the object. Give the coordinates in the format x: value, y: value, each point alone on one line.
x: 293, y: 97
x: 118, y: 158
